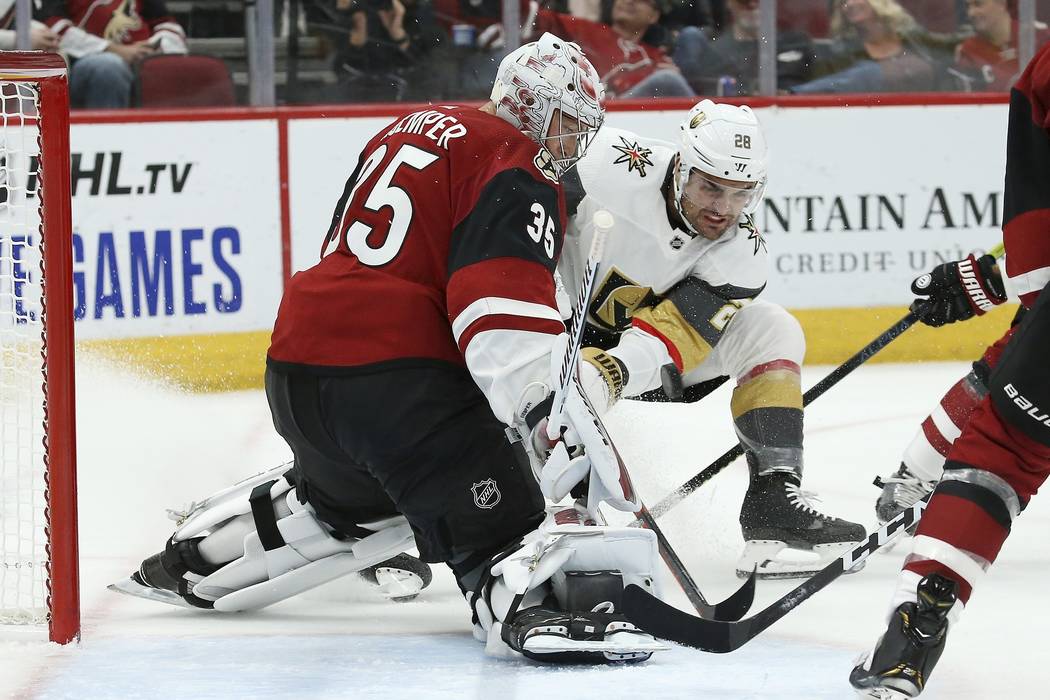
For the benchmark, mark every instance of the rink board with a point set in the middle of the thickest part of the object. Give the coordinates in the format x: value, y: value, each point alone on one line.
x: 186, y: 224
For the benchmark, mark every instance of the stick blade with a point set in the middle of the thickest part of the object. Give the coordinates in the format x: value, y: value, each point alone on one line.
x: 652, y: 615
x: 736, y: 606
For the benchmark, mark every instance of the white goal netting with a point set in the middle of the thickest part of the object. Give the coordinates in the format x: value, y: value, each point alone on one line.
x: 23, y: 542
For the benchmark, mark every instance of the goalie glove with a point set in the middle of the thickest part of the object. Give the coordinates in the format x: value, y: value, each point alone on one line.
x: 958, y: 290
x: 581, y: 452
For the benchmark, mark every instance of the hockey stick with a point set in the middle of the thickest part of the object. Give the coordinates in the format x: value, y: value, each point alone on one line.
x: 818, y: 389
x: 839, y: 373
x: 603, y: 222
x: 737, y: 605
x: 691, y: 394
x: 661, y: 620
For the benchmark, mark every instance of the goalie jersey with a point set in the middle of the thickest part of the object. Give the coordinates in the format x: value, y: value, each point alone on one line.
x: 655, y: 276
x: 441, y: 252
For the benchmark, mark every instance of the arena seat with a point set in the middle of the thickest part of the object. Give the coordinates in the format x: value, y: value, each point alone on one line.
x: 184, y: 81
x: 809, y: 16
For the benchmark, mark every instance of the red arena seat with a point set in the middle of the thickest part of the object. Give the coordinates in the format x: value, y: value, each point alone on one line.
x: 809, y: 16
x: 184, y: 81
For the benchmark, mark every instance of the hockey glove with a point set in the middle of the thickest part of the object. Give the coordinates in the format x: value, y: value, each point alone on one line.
x: 603, y: 377
x: 580, y: 452
x: 958, y: 290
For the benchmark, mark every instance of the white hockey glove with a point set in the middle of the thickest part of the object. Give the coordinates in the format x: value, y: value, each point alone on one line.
x: 581, y: 451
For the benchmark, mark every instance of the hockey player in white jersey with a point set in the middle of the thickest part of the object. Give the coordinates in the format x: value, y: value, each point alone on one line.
x: 682, y: 267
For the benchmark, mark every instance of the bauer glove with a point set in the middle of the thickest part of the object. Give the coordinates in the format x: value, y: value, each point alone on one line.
x: 603, y: 378
x: 958, y: 290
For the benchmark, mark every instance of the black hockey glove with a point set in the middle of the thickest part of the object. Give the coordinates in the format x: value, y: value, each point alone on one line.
x: 958, y: 290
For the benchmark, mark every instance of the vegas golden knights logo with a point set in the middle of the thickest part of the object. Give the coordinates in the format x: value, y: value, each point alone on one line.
x: 616, y: 300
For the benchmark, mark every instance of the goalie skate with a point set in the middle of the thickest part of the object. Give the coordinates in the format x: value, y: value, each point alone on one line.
x: 553, y: 635
x: 133, y: 586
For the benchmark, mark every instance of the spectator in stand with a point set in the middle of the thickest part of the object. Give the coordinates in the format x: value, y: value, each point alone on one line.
x: 990, y: 57
x: 686, y: 13
x: 879, y: 47
x: 629, y: 66
x: 387, y: 50
x: 40, y: 37
x: 726, y: 63
x: 585, y: 9
x: 105, y: 40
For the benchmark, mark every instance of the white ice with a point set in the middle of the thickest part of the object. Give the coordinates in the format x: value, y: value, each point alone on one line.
x: 144, y: 447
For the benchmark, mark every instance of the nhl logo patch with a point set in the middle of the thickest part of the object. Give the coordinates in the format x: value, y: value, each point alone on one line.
x: 486, y: 494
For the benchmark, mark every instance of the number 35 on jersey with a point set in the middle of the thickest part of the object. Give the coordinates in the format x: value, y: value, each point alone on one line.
x: 543, y: 229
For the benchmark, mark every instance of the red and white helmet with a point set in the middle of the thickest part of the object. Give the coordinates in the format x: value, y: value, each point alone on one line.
x: 545, y: 77
x: 726, y: 142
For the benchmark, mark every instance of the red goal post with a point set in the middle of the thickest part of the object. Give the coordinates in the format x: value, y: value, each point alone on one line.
x: 39, y: 577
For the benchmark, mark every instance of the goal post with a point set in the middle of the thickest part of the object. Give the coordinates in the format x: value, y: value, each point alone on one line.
x: 39, y: 576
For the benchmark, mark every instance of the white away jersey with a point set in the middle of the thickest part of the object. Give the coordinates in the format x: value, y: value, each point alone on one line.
x: 645, y: 255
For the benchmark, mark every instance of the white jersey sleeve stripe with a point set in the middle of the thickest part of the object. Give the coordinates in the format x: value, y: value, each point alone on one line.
x: 490, y: 306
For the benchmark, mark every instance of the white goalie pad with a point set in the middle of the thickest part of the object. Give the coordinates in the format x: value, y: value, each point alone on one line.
x: 226, y: 504
x: 306, y: 554
x: 563, y: 544
x: 310, y: 557
x: 291, y: 573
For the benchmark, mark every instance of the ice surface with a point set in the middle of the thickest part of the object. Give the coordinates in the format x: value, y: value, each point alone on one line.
x: 145, y: 447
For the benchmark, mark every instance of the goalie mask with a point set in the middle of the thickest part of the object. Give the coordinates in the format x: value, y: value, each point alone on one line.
x: 720, y: 170
x: 551, y: 92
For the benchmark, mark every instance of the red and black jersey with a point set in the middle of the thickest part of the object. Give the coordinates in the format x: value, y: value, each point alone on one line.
x: 1026, y: 218
x: 117, y: 21
x: 443, y: 245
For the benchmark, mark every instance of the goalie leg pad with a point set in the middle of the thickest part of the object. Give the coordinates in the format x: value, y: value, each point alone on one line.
x: 556, y: 596
x: 298, y: 553
x: 228, y: 503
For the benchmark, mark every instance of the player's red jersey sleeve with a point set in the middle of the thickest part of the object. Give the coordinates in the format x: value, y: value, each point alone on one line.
x: 441, y: 249
x: 1026, y: 219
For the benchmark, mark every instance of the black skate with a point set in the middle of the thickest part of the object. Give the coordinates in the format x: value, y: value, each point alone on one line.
x: 784, y: 535
x: 545, y: 634
x: 169, y: 576
x: 900, y: 490
x: 399, y: 578
x: 903, y: 659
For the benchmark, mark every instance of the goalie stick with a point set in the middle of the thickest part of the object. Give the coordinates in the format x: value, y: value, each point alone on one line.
x: 739, y: 603
x: 661, y: 620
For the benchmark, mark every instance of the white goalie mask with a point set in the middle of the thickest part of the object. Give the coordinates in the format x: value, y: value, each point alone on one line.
x: 543, y: 78
x: 723, y: 151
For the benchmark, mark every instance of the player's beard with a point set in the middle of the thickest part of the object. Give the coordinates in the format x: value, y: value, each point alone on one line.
x: 709, y: 223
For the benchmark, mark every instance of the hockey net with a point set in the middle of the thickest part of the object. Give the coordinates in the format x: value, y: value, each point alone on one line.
x: 38, y: 566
